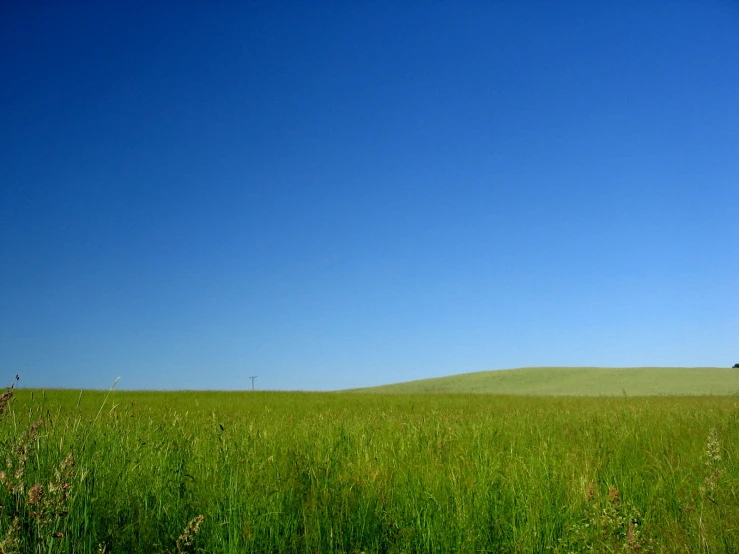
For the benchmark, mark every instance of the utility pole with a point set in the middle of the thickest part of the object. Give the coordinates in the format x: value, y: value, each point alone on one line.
x: 252, y: 377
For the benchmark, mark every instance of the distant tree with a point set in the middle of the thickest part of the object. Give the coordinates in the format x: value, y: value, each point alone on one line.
x: 736, y: 366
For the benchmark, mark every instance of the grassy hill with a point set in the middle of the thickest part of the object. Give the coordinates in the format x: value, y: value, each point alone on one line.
x: 579, y: 381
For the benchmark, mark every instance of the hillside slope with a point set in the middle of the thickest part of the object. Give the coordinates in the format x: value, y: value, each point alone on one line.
x: 579, y: 381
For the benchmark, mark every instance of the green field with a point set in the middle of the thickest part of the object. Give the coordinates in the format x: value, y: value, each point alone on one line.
x: 332, y: 472
x: 580, y: 381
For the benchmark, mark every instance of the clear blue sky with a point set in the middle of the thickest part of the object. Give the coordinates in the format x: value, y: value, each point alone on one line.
x: 342, y: 194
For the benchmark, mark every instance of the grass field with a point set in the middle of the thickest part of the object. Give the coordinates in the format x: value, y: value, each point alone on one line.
x: 580, y: 381
x: 216, y: 472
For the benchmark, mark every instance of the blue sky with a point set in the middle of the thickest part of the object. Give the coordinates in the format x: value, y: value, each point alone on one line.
x: 343, y: 194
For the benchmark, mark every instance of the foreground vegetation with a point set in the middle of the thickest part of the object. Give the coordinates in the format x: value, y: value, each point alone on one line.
x: 298, y: 472
x: 580, y: 381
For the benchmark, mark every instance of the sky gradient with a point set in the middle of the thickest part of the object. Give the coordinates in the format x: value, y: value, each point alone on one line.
x: 343, y: 194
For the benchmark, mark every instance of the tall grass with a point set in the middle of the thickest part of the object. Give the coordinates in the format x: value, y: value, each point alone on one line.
x: 299, y: 472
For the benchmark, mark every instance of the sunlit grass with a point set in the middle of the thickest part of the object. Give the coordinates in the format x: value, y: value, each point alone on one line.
x: 302, y: 472
x: 580, y: 381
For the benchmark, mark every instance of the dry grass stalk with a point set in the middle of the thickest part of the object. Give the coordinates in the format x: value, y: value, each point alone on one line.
x: 43, y: 504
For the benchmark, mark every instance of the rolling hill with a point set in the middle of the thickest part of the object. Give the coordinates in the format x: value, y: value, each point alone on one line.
x: 578, y: 381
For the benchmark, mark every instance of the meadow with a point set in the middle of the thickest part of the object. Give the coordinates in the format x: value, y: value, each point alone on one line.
x: 581, y: 381
x: 228, y: 472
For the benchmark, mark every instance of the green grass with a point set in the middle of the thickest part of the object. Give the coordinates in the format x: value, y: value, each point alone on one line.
x: 327, y: 472
x: 579, y: 381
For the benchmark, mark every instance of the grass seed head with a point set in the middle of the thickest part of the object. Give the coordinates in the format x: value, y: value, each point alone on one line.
x: 5, y: 400
x: 590, y: 492
x: 187, y: 537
